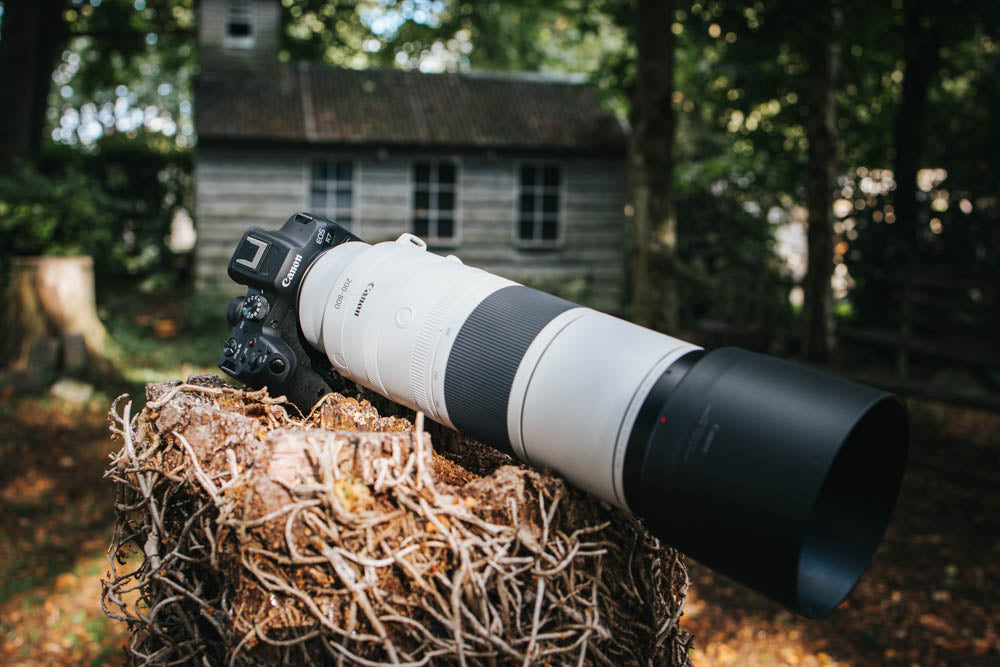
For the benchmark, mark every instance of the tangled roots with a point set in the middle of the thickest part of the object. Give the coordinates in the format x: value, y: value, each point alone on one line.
x: 244, y: 535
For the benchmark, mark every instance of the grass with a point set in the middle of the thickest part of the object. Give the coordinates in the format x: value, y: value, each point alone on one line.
x: 164, y: 336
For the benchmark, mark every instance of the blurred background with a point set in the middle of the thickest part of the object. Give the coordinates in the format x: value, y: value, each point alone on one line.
x: 813, y: 180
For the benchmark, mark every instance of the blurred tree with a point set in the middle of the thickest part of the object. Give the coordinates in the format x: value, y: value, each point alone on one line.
x: 98, y: 52
x: 821, y: 133
x: 653, y: 234
x: 921, y: 45
x: 517, y: 35
x: 115, y: 203
x: 33, y: 35
x: 930, y: 204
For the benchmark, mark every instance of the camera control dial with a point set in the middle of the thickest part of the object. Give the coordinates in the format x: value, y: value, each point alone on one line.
x: 255, y: 307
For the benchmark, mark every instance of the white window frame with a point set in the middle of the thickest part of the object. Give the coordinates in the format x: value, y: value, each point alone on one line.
x: 539, y: 190
x: 240, y: 11
x: 348, y: 219
x: 433, y: 213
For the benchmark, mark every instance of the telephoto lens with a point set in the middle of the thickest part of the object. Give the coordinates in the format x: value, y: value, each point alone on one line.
x: 777, y: 475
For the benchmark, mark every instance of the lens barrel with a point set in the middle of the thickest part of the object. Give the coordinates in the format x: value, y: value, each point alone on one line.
x: 775, y: 474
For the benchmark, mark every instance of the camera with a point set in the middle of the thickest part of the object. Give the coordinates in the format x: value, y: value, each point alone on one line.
x: 775, y: 474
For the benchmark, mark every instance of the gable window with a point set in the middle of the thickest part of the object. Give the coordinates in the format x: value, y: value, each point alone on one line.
x: 241, y: 19
x: 434, y: 216
x: 331, y: 190
x: 538, y: 204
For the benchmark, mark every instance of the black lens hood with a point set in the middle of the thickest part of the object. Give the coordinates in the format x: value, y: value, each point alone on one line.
x: 777, y: 475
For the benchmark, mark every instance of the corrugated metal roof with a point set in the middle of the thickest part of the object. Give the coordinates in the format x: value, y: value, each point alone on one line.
x: 327, y: 105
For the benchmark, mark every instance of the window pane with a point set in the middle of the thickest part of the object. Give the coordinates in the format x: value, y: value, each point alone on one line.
x: 550, y: 204
x: 550, y: 230
x: 344, y: 200
x: 317, y: 200
x: 446, y: 201
x: 446, y: 173
x: 422, y: 200
x: 422, y: 172
x: 527, y: 175
x: 525, y: 229
x: 238, y: 29
x: 344, y: 171
x: 319, y: 171
x: 420, y: 226
x: 527, y: 203
x: 445, y: 228
x: 552, y: 177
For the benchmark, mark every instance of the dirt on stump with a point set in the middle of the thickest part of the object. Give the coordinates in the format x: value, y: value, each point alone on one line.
x: 246, y: 535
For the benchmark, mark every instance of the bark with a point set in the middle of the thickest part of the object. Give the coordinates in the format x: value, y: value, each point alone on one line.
x: 33, y: 36
x: 653, y: 224
x: 821, y: 175
x: 921, y: 59
x: 51, y: 299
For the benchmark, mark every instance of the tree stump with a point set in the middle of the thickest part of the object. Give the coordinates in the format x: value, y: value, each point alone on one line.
x: 247, y: 535
x: 51, y: 321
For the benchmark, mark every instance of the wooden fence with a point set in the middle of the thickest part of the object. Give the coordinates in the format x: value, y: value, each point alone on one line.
x: 937, y: 324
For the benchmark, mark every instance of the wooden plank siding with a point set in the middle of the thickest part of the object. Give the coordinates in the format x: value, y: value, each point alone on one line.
x: 237, y: 188
x: 214, y: 51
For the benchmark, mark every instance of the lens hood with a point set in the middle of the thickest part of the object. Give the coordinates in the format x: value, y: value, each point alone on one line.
x: 777, y: 475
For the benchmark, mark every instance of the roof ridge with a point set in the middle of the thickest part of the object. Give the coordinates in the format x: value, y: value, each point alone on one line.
x: 571, y: 78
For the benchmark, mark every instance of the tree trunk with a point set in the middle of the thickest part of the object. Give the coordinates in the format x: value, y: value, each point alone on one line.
x: 653, y: 232
x: 52, y: 313
x: 33, y: 35
x: 824, y: 65
x: 921, y: 58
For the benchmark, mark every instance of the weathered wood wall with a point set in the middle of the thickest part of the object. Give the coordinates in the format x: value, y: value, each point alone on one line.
x: 238, y: 188
x: 217, y: 53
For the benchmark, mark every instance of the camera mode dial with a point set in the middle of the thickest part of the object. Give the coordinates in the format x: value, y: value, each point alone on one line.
x: 255, y: 307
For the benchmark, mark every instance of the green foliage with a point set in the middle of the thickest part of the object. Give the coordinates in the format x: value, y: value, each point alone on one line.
x: 726, y: 267
x: 59, y: 214
x: 567, y: 36
x: 128, y: 67
x: 115, y: 204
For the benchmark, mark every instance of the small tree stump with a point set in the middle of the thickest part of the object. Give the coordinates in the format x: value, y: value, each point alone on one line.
x: 254, y: 537
x: 51, y: 304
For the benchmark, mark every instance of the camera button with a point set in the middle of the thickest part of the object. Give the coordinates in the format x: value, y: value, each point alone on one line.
x: 404, y: 317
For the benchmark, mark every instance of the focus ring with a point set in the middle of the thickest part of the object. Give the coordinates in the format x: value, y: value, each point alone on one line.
x: 422, y: 356
x: 485, y: 356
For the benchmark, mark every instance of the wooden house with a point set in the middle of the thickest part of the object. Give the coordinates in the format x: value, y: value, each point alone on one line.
x: 521, y: 175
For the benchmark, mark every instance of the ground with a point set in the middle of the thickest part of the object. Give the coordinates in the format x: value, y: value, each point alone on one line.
x: 929, y: 598
x: 55, y: 525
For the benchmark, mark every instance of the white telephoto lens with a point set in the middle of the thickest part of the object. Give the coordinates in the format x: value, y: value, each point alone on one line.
x: 713, y: 450
x: 555, y: 384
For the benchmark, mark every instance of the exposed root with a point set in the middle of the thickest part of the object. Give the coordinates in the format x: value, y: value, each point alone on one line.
x: 246, y: 536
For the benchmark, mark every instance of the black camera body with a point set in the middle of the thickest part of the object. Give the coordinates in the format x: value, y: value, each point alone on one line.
x: 265, y: 347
